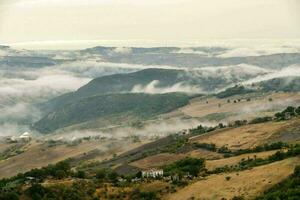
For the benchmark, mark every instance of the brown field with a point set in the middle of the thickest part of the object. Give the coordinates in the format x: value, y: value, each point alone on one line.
x: 213, y: 164
x: 202, y: 153
x: 155, y: 186
x: 249, y: 183
x: 246, y: 136
x: 259, y: 105
x: 158, y: 160
x: 39, y: 154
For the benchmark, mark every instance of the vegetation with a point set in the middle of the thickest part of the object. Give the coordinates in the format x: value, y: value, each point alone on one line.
x: 259, y: 120
x: 77, y: 191
x: 288, y: 189
x: 287, y: 113
x: 201, y: 129
x: 261, y: 148
x: 209, y: 147
x: 294, y: 150
x: 112, y: 106
x: 58, y: 171
x: 187, y: 166
x: 236, y: 90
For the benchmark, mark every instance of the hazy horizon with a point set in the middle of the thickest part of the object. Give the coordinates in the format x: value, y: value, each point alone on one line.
x: 83, y: 44
x: 71, y: 24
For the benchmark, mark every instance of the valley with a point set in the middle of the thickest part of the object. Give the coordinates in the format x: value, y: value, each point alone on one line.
x: 151, y: 124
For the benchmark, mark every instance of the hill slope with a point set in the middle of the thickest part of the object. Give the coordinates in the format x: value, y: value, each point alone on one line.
x: 111, y: 106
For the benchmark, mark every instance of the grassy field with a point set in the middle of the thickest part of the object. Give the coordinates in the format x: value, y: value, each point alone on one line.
x: 246, y: 136
x: 249, y: 183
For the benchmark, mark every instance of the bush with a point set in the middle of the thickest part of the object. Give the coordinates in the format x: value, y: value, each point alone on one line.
x: 210, y: 147
x: 187, y: 166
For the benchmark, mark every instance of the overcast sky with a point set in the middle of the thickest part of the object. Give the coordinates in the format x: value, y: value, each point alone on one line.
x: 160, y: 20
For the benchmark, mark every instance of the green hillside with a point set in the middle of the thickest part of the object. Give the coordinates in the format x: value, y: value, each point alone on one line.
x: 111, y: 106
x: 117, y: 83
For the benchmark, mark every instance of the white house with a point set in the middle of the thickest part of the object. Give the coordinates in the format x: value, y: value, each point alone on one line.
x: 152, y: 173
x: 25, y: 136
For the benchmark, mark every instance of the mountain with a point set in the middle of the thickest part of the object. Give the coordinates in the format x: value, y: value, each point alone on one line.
x: 195, y: 81
x: 114, y: 107
x: 193, y: 57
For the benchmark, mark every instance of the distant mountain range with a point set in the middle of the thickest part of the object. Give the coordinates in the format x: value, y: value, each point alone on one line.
x: 172, y: 56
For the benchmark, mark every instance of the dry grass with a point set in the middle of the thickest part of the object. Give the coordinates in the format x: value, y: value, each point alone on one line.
x: 155, y: 186
x: 249, y: 183
x: 38, y: 155
x: 258, y: 105
x: 158, y: 160
x: 162, y: 159
x: 202, y: 153
x: 244, y: 137
x: 4, y: 146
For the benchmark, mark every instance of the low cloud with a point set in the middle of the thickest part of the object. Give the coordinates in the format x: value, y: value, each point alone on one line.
x: 151, y: 129
x: 291, y: 71
x: 153, y: 88
x: 258, y: 51
x: 123, y: 50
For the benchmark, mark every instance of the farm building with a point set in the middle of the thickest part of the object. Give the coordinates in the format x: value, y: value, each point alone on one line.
x: 152, y: 173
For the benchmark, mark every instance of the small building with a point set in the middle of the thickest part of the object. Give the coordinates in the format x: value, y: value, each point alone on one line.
x: 152, y: 173
x: 25, y: 136
x: 31, y: 180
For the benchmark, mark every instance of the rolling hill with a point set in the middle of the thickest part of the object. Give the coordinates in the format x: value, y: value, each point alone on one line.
x: 113, y: 107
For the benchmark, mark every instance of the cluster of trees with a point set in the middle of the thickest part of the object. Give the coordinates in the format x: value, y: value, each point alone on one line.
x: 58, y: 171
x: 77, y: 191
x: 238, y: 89
x: 261, y: 148
x: 228, y: 153
x: 292, y: 111
x: 209, y: 147
x: 107, y: 175
x: 260, y: 120
x: 288, y: 189
x: 202, y: 129
x: 187, y: 166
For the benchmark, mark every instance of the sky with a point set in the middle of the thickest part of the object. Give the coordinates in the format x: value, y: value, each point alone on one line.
x: 34, y: 22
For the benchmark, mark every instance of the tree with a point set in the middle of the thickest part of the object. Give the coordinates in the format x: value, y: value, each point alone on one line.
x: 36, y: 192
x: 113, y: 176
x: 81, y: 174
x: 298, y: 111
x: 9, y: 195
x: 60, y: 174
x: 100, y: 174
x: 297, y: 171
